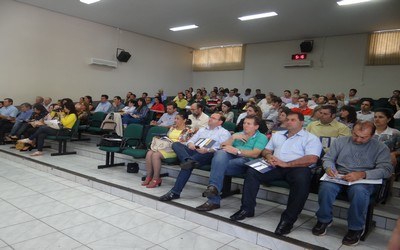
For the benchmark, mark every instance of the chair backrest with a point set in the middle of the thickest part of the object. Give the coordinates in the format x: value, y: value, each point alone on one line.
x: 155, y: 131
x: 75, y: 128
x: 151, y: 115
x: 96, y: 119
x: 230, y: 126
x: 134, y: 133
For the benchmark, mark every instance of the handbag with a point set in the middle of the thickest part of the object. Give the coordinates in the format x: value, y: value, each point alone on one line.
x: 54, y: 124
x: 163, y: 143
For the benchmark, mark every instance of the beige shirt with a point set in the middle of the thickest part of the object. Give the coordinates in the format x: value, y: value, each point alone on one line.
x: 199, y: 122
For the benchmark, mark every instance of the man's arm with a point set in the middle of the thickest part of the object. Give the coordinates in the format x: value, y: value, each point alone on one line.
x: 304, y: 161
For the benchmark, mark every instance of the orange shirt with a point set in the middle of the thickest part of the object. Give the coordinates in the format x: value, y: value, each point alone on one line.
x: 306, y: 111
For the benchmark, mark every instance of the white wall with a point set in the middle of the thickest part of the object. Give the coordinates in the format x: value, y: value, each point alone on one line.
x: 338, y: 66
x: 47, y: 53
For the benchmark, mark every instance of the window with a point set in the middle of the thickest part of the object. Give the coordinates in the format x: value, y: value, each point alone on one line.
x: 384, y: 48
x: 219, y: 58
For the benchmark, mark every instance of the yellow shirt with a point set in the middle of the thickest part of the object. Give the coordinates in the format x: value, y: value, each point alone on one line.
x: 333, y: 129
x: 68, y: 121
x: 181, y: 103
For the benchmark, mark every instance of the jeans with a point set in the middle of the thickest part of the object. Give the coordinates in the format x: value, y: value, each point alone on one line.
x: 222, y: 164
x: 128, y: 119
x: 44, y: 131
x: 358, y: 195
x: 299, y: 179
x: 184, y: 153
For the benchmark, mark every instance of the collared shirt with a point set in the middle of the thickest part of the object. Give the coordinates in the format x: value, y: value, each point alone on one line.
x: 372, y: 157
x: 218, y: 134
x: 272, y: 115
x: 264, y: 106
x: 232, y: 99
x: 24, y: 115
x: 332, y: 129
x: 257, y: 141
x: 103, y: 107
x: 10, y: 111
x: 306, y: 111
x: 167, y: 120
x: 117, y: 108
x: 181, y: 103
x: 292, y: 148
x: 292, y: 105
x: 390, y: 137
x: 199, y: 122
x: 365, y: 117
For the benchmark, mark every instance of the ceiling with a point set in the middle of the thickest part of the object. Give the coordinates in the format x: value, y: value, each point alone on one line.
x: 218, y: 23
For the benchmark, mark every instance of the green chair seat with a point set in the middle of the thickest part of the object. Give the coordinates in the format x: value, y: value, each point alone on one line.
x: 170, y: 161
x: 135, y: 153
x: 110, y: 149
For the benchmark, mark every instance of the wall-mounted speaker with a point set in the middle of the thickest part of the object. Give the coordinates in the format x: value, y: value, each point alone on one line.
x: 306, y: 46
x: 123, y: 56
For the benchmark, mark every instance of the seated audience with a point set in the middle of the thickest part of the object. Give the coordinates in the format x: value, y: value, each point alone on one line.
x: 234, y: 100
x: 178, y: 133
x: 230, y: 160
x: 303, y: 107
x: 138, y: 115
x: 252, y: 110
x: 191, y: 156
x: 82, y: 111
x: 246, y: 95
x: 168, y: 118
x: 117, y: 104
x: 130, y: 107
x: 365, y: 114
x: 129, y: 96
x: 20, y: 121
x: 67, y: 119
x: 226, y: 111
x: 198, y: 117
x: 287, y: 97
x: 88, y: 100
x: 251, y: 101
x: 265, y: 104
x: 8, y: 113
x: 294, y: 103
x: 347, y: 116
x: 180, y: 101
x: 291, y: 152
x: 47, y: 102
x: 353, y: 99
x: 213, y: 102
x: 158, y: 107
x: 281, y: 125
x: 259, y: 96
x: 356, y: 157
x: 272, y: 113
x: 104, y: 105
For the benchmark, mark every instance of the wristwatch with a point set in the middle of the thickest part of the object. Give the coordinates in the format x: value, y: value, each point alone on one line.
x: 239, y: 152
x: 208, y: 150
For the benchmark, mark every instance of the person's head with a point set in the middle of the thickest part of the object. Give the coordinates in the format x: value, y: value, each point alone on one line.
x: 141, y: 102
x: 161, y: 92
x: 316, y: 113
x: 340, y: 96
x: 251, y: 124
x: 396, y: 92
x: 231, y: 93
x: 8, y: 102
x: 394, y: 100
x: 366, y: 105
x: 69, y: 108
x: 104, y: 98
x: 216, y: 119
x: 181, y: 119
x: 117, y: 100
x: 287, y: 93
x: 196, y: 109
x: 88, y: 99
x: 294, y: 121
x: 383, y: 118
x: 131, y: 102
x: 157, y: 100
x: 327, y: 114
x: 25, y: 106
x: 171, y: 108
x: 283, y: 113
x: 352, y: 92
x: 144, y: 94
x: 258, y: 91
x: 295, y: 99
x: 213, y: 94
x: 333, y: 102
x: 253, y: 109
x: 39, y: 109
x: 322, y: 100
x: 78, y: 107
x: 296, y: 92
x: 268, y: 98
x: 148, y: 100
x: 348, y: 113
x: 180, y: 95
x: 315, y: 97
x: 39, y: 99
x: 128, y: 95
x: 226, y: 106
x: 330, y: 95
x: 188, y: 95
x: 362, y: 132
x: 247, y: 91
x: 303, y: 102
x: 199, y: 96
x: 48, y: 100
x: 276, y: 102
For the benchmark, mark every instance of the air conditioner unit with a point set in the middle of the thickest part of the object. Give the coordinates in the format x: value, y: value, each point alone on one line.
x: 298, y: 63
x: 102, y: 62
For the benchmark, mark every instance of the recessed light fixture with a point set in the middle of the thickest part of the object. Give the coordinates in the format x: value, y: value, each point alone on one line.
x: 257, y: 16
x: 89, y: 1
x: 186, y: 27
x: 348, y: 2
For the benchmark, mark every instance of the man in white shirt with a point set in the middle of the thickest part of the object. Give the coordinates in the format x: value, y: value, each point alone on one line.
x: 365, y: 114
x: 294, y: 103
x: 273, y: 113
x: 232, y: 98
x: 246, y: 96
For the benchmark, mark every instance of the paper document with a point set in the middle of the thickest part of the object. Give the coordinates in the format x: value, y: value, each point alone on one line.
x: 339, y: 180
x: 260, y: 165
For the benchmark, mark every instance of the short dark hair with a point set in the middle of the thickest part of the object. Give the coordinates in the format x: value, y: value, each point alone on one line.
x: 255, y: 118
x: 221, y: 116
x: 9, y: 100
x: 354, y: 90
x: 370, y: 100
x: 117, y: 97
x: 105, y: 96
x: 331, y: 108
x: 299, y: 115
x: 27, y: 105
x: 199, y: 105
x: 304, y: 98
x: 173, y: 104
x: 276, y: 99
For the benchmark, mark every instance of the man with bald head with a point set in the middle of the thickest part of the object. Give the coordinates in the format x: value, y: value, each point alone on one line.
x: 354, y: 157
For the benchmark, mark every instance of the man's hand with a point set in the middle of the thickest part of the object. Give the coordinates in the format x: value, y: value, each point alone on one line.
x: 354, y: 176
x: 153, y: 123
x: 202, y: 150
x: 230, y: 149
x: 275, y: 161
x: 332, y: 172
x: 191, y: 146
x: 240, y: 136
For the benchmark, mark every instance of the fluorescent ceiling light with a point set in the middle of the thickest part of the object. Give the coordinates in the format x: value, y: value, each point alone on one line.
x: 257, y: 16
x: 348, y: 2
x: 89, y: 1
x: 186, y: 27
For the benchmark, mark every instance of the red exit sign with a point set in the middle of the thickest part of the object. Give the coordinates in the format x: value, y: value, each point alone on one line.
x: 299, y: 56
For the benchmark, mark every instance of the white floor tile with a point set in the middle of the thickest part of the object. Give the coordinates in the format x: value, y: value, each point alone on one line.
x: 68, y: 219
x: 51, y: 241
x: 211, y: 234
x: 24, y: 231
x: 127, y: 203
x: 157, y: 231
x: 47, y: 209
x: 14, y: 217
x: 121, y: 241
x: 29, y: 201
x: 190, y: 240
x: 83, y: 201
x: 103, y: 210
x: 128, y: 220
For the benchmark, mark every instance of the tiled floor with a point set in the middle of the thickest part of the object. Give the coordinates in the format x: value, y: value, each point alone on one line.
x: 68, y: 214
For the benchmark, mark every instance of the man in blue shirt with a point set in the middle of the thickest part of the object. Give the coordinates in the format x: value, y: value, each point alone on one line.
x: 7, y: 116
x: 230, y: 160
x: 104, y: 105
x: 291, y: 152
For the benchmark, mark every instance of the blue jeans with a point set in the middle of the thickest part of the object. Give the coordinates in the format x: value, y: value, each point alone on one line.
x: 358, y: 195
x: 128, y: 119
x: 184, y: 153
x: 298, y: 178
x: 222, y: 164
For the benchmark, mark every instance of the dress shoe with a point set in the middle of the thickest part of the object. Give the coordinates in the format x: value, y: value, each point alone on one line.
x: 189, y: 164
x: 211, y: 191
x: 207, y: 207
x: 169, y: 197
x: 241, y: 215
x: 283, y: 228
x: 352, y: 237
